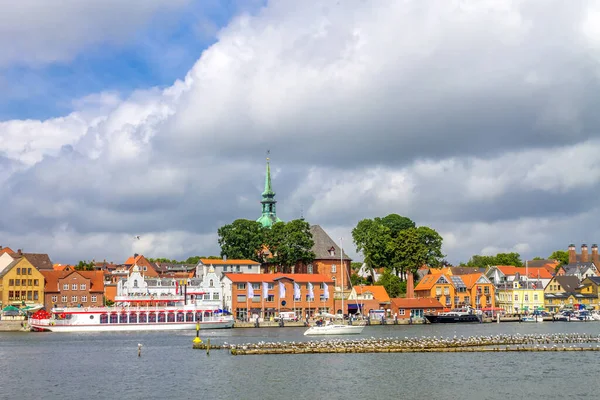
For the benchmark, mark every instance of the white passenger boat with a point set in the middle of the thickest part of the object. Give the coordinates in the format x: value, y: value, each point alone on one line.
x: 132, y: 318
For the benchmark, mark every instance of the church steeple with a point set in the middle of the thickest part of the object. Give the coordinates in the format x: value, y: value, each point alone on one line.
x: 269, y: 213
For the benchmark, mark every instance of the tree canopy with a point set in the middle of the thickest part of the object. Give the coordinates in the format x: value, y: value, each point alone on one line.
x: 288, y: 242
x: 392, y: 284
x: 499, y: 259
x: 85, y: 266
x: 394, y: 241
x: 560, y: 255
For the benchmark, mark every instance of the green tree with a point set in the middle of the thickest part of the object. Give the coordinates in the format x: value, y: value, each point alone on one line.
x: 192, y: 260
x: 356, y: 280
x: 290, y: 243
x: 433, y: 242
x: 509, y: 259
x: 408, y: 251
x: 371, y: 239
x: 242, y: 239
x: 396, y: 223
x: 355, y: 266
x: 85, y: 266
x: 538, y: 258
x: 392, y: 284
x: 560, y: 255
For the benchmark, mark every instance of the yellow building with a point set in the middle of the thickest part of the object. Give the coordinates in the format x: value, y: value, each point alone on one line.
x: 455, y: 291
x: 21, y: 283
x: 521, y: 296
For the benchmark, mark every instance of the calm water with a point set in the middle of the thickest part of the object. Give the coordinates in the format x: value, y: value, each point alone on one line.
x: 106, y: 366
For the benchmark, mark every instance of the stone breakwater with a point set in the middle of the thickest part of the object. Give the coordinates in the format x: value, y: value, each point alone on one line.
x: 498, y: 343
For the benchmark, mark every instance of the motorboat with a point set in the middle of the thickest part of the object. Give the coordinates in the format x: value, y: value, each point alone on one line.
x: 457, y: 315
x: 335, y: 328
x: 533, y: 318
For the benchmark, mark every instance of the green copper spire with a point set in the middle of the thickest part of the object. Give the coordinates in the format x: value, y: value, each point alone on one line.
x: 269, y: 214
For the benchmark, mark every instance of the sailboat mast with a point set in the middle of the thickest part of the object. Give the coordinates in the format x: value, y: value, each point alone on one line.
x: 342, y: 268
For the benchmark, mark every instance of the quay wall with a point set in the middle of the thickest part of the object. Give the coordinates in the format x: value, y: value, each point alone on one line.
x: 11, y: 326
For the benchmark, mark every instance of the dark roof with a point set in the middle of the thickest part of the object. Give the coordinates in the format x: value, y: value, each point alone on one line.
x: 467, y: 270
x: 40, y: 261
x: 323, y: 243
x: 573, y: 268
x: 595, y: 279
x: 568, y: 283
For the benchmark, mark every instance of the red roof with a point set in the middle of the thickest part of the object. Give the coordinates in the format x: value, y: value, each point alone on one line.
x: 6, y: 250
x: 424, y: 302
x: 255, y: 278
x: 379, y: 293
x: 510, y: 270
x: 52, y: 277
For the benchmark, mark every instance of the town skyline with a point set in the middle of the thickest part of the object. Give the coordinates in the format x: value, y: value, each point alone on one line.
x: 475, y: 121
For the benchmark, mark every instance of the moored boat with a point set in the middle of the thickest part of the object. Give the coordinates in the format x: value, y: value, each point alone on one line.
x: 333, y: 328
x: 458, y: 315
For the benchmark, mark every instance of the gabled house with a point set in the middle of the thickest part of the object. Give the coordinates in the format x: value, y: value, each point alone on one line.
x: 146, y: 267
x: 70, y: 288
x: 329, y: 259
x: 506, y: 274
x: 415, y: 308
x: 364, y: 298
x: 223, y: 266
x: 453, y: 291
x: 581, y: 270
x: 21, y: 283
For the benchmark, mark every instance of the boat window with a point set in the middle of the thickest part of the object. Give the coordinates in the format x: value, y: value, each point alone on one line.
x: 212, y: 283
x: 135, y: 283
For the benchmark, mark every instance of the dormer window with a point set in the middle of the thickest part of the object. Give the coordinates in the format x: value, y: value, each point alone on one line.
x: 331, y: 251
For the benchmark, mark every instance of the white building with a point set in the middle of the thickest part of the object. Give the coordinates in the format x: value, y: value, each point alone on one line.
x: 224, y: 266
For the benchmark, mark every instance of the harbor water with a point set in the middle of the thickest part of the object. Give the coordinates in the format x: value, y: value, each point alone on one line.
x: 107, y: 366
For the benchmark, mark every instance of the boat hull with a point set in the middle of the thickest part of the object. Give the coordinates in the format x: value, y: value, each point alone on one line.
x: 334, y: 330
x: 167, y: 326
x: 452, y: 319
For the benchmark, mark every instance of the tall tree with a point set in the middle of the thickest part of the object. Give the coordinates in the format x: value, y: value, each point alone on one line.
x: 479, y: 261
x: 371, y: 239
x: 408, y: 251
x: 560, y: 255
x: 396, y: 223
x: 433, y: 242
x: 84, y: 266
x: 242, y: 239
x: 290, y: 243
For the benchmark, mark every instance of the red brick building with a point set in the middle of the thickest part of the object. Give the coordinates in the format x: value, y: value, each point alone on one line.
x: 266, y: 303
x: 73, y: 288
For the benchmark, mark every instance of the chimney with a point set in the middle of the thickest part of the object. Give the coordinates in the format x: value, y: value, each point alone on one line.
x: 410, y: 286
x: 595, y: 258
x: 19, y: 252
x: 135, y: 255
x: 584, y: 253
x: 572, y: 254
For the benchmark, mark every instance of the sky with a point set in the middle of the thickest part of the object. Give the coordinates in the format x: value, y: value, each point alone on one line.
x: 153, y: 118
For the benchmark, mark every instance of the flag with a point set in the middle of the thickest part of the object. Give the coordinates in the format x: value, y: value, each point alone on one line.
x: 311, y: 294
x: 265, y: 288
x: 250, y: 290
x: 325, y: 291
x: 296, y: 291
x: 281, y: 290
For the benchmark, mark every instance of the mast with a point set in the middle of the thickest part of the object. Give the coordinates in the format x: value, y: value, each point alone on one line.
x: 342, y: 267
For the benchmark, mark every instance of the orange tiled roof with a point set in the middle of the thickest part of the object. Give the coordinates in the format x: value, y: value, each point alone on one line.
x: 470, y: 279
x: 378, y: 291
x: 216, y: 261
x: 424, y: 302
x: 62, y: 267
x: 510, y: 270
x: 6, y: 250
x: 255, y: 278
x: 132, y: 260
x: 52, y: 277
x: 429, y: 281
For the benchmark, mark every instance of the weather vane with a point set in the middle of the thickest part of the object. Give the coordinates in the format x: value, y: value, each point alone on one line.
x: 268, y: 153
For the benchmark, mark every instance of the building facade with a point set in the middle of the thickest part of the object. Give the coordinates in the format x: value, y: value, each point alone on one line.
x: 21, y: 283
x: 73, y: 288
x: 455, y: 291
x: 227, y: 266
x: 251, y: 296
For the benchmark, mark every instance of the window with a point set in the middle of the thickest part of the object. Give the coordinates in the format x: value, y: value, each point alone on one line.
x: 526, y: 297
x: 467, y: 300
x: 29, y: 281
x: 82, y: 286
x: 54, y: 299
x: 63, y: 299
x: 66, y: 286
x: 135, y: 284
x: 35, y: 295
x: 94, y: 299
x: 309, y: 269
x: 216, y: 296
x: 438, y: 291
x: 11, y: 295
x: 331, y: 251
x: 270, y: 298
x: 516, y: 297
x: 333, y: 268
x: 225, y: 268
x: 17, y: 282
x: 18, y: 271
x: 84, y: 299
x: 535, y: 297
x: 206, y: 296
x: 241, y: 286
x: 241, y: 298
x: 74, y: 299
x: 309, y: 298
x: 28, y: 271
x: 486, y: 290
x: 11, y: 282
x: 249, y: 267
x: 74, y: 286
x: 446, y: 291
x: 401, y: 312
x: 256, y: 286
x: 29, y: 295
x: 212, y: 283
x: 269, y: 286
x: 237, y: 268
x: 145, y: 268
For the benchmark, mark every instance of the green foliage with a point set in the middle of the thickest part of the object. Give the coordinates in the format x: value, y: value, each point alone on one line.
x: 358, y: 280
x: 392, y: 284
x: 85, y: 266
x: 394, y: 242
x: 242, y: 239
x: 289, y: 243
x: 499, y: 259
x: 560, y: 255
x: 355, y: 266
x: 163, y: 260
x: 538, y: 258
x: 108, y: 303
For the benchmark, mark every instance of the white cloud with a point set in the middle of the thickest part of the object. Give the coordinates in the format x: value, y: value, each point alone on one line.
x: 471, y: 120
x: 36, y: 32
